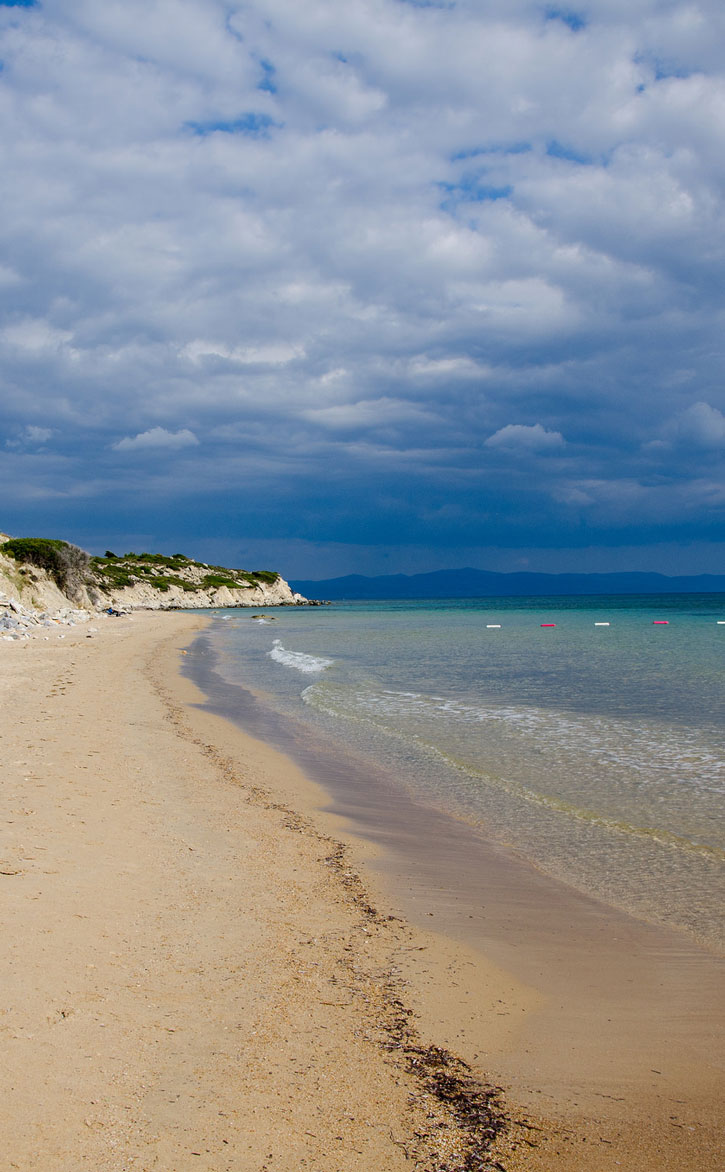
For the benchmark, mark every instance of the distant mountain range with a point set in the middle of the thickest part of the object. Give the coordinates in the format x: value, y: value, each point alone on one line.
x: 469, y: 583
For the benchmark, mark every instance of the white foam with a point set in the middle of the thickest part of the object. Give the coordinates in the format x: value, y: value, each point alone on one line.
x: 298, y: 659
x: 646, y: 751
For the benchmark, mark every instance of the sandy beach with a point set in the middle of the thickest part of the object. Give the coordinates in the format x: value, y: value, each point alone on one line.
x: 202, y: 969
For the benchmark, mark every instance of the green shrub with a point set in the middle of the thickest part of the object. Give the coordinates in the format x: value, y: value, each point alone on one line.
x: 160, y: 559
x: 162, y: 582
x: 215, y: 581
x: 119, y: 581
x: 157, y: 570
x: 111, y: 576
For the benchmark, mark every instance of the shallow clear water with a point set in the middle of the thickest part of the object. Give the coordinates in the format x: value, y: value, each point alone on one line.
x: 595, y: 752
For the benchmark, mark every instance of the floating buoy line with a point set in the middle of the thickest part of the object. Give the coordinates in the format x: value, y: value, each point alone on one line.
x: 655, y: 623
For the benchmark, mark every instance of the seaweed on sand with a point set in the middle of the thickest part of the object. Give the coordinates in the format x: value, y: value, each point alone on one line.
x: 455, y: 1119
x: 474, y: 1114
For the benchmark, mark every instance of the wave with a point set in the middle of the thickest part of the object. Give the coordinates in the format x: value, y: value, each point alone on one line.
x: 635, y: 753
x: 640, y: 747
x: 299, y: 660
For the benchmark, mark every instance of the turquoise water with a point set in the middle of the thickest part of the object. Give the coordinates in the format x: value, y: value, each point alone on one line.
x: 595, y: 752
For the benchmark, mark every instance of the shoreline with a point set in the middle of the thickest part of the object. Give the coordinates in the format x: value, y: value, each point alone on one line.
x: 197, y: 977
x: 563, y: 999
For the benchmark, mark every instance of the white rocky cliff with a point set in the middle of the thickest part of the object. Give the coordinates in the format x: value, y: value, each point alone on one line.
x: 51, y: 577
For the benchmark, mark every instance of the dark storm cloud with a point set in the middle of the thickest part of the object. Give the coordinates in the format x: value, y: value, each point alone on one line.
x: 380, y: 274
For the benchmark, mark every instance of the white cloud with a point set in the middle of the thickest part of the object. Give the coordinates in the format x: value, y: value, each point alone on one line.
x: 443, y: 367
x: 38, y: 435
x: 365, y: 414
x: 616, y: 500
x: 156, y: 437
x: 35, y: 336
x: 29, y: 437
x: 519, y: 435
x: 276, y: 354
x: 702, y: 425
x: 8, y: 276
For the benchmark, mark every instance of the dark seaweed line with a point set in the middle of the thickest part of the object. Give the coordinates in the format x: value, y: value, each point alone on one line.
x: 474, y: 1111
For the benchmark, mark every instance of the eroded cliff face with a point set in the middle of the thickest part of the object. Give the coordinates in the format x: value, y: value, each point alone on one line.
x: 146, y: 596
x: 33, y: 588
x: 159, y: 582
x: 146, y: 582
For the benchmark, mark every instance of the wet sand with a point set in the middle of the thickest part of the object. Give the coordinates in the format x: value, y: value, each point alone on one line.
x: 594, y: 1017
x: 195, y: 975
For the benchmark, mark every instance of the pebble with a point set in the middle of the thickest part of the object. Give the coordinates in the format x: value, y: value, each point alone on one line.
x: 19, y: 622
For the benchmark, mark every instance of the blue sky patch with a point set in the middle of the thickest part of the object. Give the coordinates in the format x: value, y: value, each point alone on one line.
x: 252, y: 124
x: 665, y: 69
x: 574, y: 20
x: 231, y: 29
x: 662, y: 67
x: 557, y: 150
x: 267, y: 83
x: 472, y: 191
x: 503, y: 148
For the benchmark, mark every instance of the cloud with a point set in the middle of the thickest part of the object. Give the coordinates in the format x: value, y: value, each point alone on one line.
x: 312, y: 245
x: 447, y: 367
x: 38, y: 435
x: 156, y: 437
x: 35, y: 336
x: 28, y: 437
x: 532, y: 438
x: 275, y: 354
x: 702, y: 425
x: 373, y: 413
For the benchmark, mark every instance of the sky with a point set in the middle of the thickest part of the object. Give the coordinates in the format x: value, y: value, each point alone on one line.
x: 366, y: 287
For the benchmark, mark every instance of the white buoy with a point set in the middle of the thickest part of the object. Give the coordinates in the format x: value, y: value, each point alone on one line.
x: 493, y: 626
x: 721, y: 622
x: 601, y: 624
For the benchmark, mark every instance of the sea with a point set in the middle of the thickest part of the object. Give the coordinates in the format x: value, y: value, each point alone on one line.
x: 585, y: 735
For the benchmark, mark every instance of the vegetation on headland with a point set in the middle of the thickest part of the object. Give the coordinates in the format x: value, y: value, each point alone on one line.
x: 76, y: 573
x: 114, y: 572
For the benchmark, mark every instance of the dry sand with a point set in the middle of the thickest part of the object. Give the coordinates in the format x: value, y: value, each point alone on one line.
x: 193, y: 976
